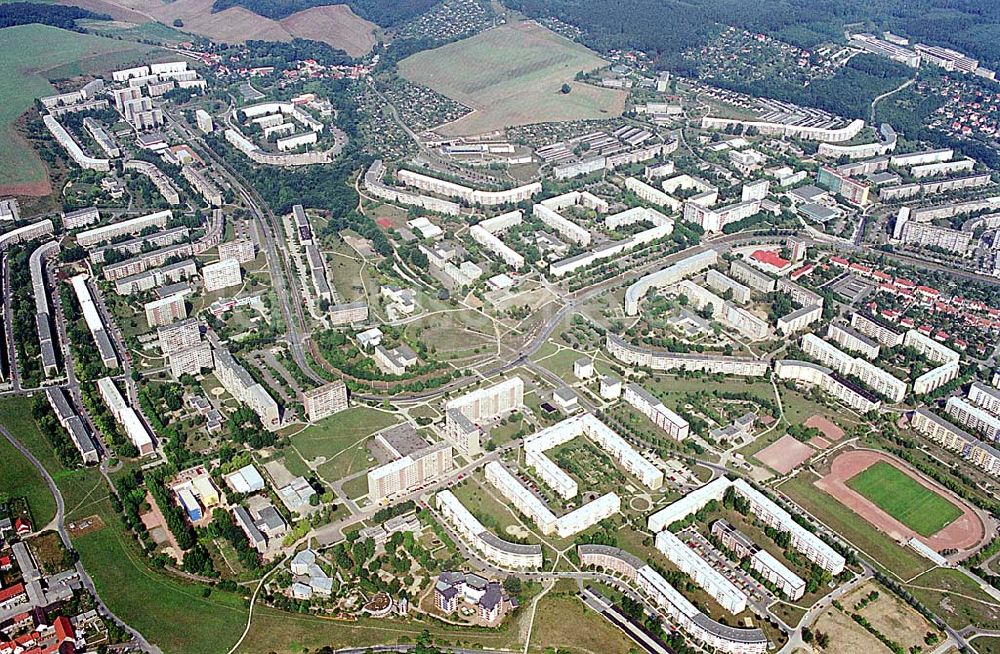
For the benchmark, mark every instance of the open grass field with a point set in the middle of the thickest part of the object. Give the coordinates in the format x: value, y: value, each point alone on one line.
x: 33, y: 54
x: 956, y: 598
x: 21, y: 479
x: 335, y: 434
x: 903, y: 562
x: 171, y: 614
x: 563, y: 623
x: 897, y: 620
x: 845, y: 634
x: 899, y: 495
x: 512, y: 75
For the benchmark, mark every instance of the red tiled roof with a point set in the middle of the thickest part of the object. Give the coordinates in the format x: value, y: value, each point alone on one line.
x: 770, y: 258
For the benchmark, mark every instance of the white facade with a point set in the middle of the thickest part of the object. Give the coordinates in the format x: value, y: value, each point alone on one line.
x: 222, y: 274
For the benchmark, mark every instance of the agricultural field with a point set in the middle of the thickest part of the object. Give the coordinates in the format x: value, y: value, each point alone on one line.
x: 336, y: 25
x: 32, y: 55
x: 512, y: 75
x: 899, y: 495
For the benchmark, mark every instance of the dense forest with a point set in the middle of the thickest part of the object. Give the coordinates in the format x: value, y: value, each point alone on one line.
x: 666, y: 27
x: 386, y: 13
x: 23, y: 13
x: 848, y: 93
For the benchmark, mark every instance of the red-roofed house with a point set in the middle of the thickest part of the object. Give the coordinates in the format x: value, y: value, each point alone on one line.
x: 925, y: 330
x: 860, y: 269
x: 64, y: 629
x: 840, y: 261
x: 5, y: 563
x: 770, y: 261
x: 941, y: 336
x: 907, y: 322
x: 882, y: 277
x: 11, y: 596
x: 802, y: 272
x: 904, y: 283
x: 928, y: 292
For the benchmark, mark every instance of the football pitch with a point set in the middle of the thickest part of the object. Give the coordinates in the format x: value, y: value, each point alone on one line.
x: 902, y: 497
x: 512, y: 75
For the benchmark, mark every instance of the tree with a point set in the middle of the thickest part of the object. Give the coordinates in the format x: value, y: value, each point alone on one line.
x: 565, y: 89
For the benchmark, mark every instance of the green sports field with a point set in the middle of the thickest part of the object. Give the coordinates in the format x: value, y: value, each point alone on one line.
x: 902, y: 497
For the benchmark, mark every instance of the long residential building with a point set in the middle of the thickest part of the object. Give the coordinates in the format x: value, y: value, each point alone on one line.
x: 935, y: 378
x: 773, y: 570
x: 145, y: 261
x: 94, y: 321
x: 722, y: 283
x: 677, y: 608
x: 669, y: 275
x: 703, y: 573
x: 43, y: 319
x: 73, y: 425
x: 802, y: 540
x: 132, y: 226
x: 954, y: 438
x: 76, y: 153
x: 659, y: 359
x: 26, y: 233
x: 126, y: 416
x: 842, y: 389
x: 658, y: 413
x: 168, y: 274
x: 466, y: 194
x: 136, y: 245
x: 869, y: 325
x: 879, y: 380
x: 755, y: 279
x: 937, y: 352
x: 375, y: 186
x: 493, y: 548
x: 160, y: 180
x: 985, y: 396
x: 235, y: 379
x: 566, y: 227
x: 204, y: 186
x: 409, y: 472
x: 974, y: 417
x: 853, y: 340
x: 529, y: 504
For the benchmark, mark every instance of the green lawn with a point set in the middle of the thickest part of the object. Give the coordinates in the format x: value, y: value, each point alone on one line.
x: 333, y: 435
x: 878, y: 547
x: 905, y: 499
x: 21, y: 479
x: 171, y: 614
x: 33, y: 54
x: 956, y: 598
